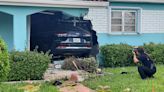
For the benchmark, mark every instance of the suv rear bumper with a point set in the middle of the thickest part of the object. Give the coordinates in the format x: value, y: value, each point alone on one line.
x: 74, y: 52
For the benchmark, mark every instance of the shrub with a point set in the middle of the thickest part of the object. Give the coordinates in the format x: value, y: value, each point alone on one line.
x: 117, y: 55
x: 155, y: 51
x: 28, y: 65
x: 4, y: 61
x: 87, y: 64
x: 121, y: 54
x: 150, y: 47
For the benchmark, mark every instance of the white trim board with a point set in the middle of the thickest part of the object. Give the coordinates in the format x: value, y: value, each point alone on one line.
x: 138, y: 1
x: 124, y: 7
x: 28, y: 32
x: 52, y: 3
x: 152, y: 32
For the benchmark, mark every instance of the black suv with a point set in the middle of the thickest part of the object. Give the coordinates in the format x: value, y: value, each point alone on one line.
x: 61, y: 33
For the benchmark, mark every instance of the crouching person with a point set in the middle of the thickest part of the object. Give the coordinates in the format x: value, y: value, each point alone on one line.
x: 147, y: 68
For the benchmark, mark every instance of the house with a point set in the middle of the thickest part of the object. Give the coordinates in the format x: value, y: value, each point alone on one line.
x: 134, y: 22
x: 116, y: 21
x: 15, y: 17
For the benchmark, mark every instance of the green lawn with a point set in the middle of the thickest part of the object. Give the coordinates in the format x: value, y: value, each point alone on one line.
x: 14, y: 88
x: 118, y: 82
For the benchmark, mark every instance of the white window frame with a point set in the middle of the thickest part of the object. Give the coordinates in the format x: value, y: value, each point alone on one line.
x: 138, y: 20
x: 123, y: 20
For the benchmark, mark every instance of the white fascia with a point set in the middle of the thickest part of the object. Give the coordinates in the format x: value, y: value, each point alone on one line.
x: 138, y: 1
x: 53, y: 3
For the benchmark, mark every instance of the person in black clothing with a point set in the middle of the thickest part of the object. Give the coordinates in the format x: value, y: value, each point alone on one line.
x: 147, y: 69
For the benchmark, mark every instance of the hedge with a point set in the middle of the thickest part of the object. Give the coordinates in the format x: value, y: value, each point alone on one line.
x: 27, y: 65
x: 115, y: 55
x: 155, y: 51
x: 4, y: 60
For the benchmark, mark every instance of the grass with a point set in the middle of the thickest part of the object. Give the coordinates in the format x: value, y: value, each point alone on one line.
x: 14, y: 88
x: 119, y: 82
x: 116, y: 81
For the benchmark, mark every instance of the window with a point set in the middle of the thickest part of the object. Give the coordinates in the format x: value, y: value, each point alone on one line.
x: 123, y: 21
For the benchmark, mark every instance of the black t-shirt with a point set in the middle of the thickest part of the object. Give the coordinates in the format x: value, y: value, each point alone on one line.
x: 145, y: 60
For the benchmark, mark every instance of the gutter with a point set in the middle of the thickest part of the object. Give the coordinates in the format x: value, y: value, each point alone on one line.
x: 51, y: 3
x: 139, y: 1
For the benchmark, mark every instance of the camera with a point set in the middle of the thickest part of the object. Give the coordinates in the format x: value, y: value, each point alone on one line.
x: 134, y: 50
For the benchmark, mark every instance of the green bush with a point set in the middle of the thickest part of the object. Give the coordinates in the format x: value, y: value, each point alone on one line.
x: 121, y: 54
x: 117, y: 55
x: 87, y: 64
x: 28, y: 65
x: 4, y: 61
x: 155, y: 51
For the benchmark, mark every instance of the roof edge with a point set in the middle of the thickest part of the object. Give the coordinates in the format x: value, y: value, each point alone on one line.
x: 139, y: 1
x: 51, y: 3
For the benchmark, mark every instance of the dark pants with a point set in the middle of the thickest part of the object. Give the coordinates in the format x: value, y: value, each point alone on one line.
x: 146, y: 72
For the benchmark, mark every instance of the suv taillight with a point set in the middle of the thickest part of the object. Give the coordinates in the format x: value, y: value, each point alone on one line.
x: 61, y: 34
x: 62, y: 46
x: 88, y: 45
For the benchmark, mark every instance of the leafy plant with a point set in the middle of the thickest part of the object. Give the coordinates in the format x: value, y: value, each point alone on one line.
x: 121, y: 54
x: 117, y: 55
x: 28, y: 65
x: 4, y: 60
x: 155, y: 51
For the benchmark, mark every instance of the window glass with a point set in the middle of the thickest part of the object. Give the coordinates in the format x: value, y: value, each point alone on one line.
x: 123, y: 21
x: 116, y: 14
x: 129, y: 21
x: 129, y: 15
x: 116, y: 28
x: 116, y: 21
x: 129, y: 28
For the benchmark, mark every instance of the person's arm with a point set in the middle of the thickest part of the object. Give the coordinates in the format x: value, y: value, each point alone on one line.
x: 135, y: 60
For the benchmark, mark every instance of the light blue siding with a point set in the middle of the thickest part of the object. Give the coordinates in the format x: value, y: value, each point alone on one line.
x: 6, y: 29
x: 134, y: 40
x: 20, y: 32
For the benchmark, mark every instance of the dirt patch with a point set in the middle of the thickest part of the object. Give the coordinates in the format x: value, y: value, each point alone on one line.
x: 75, y: 88
x: 57, y: 74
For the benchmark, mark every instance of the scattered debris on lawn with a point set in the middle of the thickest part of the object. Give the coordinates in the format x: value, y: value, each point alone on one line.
x: 57, y: 83
x: 74, y: 78
x: 63, y: 74
x: 30, y: 88
x: 127, y: 90
x: 103, y: 89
